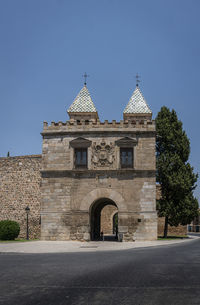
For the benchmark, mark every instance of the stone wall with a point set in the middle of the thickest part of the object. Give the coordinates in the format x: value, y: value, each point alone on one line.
x: 107, y: 224
x: 107, y: 214
x: 70, y: 193
x: 172, y: 231
x: 20, y: 186
x: 20, y: 182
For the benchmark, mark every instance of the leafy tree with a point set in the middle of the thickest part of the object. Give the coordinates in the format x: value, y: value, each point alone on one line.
x: 174, y: 174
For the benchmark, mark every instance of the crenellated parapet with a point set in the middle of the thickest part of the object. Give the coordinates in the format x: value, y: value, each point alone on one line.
x: 84, y: 125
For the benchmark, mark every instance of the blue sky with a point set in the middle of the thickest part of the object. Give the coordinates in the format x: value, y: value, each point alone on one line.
x: 46, y: 46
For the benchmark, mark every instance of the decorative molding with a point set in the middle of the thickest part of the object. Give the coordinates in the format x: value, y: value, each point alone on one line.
x: 80, y: 143
x: 126, y: 142
x: 107, y: 132
x: 102, y: 154
x: 119, y: 173
x: 92, y: 197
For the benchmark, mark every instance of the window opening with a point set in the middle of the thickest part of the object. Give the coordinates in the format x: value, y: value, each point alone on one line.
x: 126, y: 156
x: 81, y: 157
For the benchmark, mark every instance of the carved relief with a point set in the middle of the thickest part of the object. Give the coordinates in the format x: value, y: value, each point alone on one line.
x: 102, y: 154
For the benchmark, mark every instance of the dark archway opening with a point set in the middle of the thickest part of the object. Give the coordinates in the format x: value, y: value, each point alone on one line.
x: 97, y: 228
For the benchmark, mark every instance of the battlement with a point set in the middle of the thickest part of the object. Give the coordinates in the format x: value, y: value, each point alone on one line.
x: 97, y: 125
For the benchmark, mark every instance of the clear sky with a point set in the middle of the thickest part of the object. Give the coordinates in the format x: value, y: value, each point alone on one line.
x: 47, y: 45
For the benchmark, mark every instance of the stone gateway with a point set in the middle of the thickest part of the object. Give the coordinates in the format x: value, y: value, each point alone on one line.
x: 88, y: 166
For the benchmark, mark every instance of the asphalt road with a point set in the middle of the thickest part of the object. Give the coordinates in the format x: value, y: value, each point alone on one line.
x: 159, y: 275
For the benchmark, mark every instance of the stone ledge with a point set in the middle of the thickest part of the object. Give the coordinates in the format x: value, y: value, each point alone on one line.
x: 95, y: 131
x: 77, y: 173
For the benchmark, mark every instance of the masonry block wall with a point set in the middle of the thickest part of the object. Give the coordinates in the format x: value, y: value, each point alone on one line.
x: 68, y: 193
x: 172, y: 231
x: 20, y: 186
x: 20, y: 181
x: 107, y: 219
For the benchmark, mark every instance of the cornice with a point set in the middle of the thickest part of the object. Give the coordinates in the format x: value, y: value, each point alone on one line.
x: 96, y: 131
x: 95, y: 173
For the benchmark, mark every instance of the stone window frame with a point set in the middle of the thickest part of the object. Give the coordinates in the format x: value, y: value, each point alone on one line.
x: 79, y: 165
x: 126, y: 164
x: 128, y: 143
x: 80, y: 143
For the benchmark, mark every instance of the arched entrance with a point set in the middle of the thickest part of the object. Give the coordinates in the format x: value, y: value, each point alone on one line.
x: 95, y: 219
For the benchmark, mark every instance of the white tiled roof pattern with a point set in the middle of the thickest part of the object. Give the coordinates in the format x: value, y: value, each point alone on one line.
x: 137, y: 103
x: 83, y: 102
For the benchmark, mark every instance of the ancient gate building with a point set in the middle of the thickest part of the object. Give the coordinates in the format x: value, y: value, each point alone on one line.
x: 88, y: 164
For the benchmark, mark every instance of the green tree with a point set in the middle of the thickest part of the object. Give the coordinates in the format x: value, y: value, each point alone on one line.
x: 174, y: 174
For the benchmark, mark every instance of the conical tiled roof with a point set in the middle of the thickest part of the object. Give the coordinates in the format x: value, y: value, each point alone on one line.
x: 83, y: 102
x: 137, y: 103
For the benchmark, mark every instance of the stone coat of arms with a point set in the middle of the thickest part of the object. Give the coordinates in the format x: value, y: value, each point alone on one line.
x: 102, y: 154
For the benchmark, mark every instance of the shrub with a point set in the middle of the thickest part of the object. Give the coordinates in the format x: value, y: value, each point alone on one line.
x: 9, y: 229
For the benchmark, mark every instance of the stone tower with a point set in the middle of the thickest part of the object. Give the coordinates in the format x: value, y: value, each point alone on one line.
x: 88, y: 164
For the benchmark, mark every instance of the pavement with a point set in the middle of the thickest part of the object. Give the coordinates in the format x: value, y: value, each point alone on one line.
x: 75, y: 246
x: 167, y: 275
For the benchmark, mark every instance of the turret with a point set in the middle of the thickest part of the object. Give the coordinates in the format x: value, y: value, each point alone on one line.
x: 137, y: 108
x: 83, y: 107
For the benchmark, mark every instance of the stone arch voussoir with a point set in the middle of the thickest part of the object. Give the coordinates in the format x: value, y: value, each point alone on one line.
x: 96, y: 194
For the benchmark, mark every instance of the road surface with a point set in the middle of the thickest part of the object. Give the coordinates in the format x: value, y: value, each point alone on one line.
x: 158, y: 275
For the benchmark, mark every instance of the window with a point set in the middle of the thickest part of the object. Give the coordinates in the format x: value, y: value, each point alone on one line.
x: 80, y: 147
x: 126, y: 146
x: 126, y: 157
x: 80, y: 157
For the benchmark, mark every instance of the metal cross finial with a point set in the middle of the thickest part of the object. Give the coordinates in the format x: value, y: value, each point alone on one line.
x: 137, y: 80
x: 85, y: 77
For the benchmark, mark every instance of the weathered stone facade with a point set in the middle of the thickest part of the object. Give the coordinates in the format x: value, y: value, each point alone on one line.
x: 86, y: 166
x: 172, y: 231
x: 20, y: 180
x: 107, y: 222
x: 69, y: 194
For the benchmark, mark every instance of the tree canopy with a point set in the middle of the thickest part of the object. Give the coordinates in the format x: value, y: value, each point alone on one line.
x: 174, y: 173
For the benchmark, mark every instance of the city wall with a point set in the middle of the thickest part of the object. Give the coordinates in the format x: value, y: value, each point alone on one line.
x: 20, y: 181
x: 20, y: 186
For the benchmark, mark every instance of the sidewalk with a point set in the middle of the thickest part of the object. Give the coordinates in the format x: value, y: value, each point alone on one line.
x: 75, y: 246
